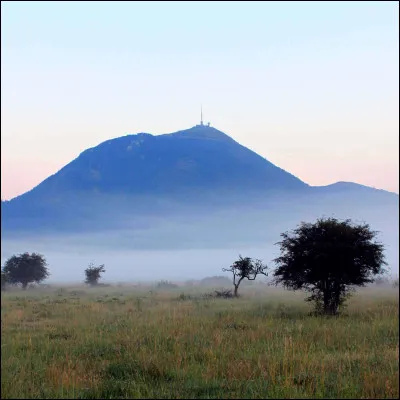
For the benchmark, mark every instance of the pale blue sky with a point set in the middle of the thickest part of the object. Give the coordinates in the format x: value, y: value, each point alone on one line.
x: 313, y: 87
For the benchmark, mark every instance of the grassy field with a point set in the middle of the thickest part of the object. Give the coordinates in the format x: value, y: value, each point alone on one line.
x: 135, y: 343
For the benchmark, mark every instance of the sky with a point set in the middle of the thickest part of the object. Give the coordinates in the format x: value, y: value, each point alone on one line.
x: 311, y: 86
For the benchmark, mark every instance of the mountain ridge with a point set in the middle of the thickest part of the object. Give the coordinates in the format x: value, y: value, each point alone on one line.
x: 118, y: 148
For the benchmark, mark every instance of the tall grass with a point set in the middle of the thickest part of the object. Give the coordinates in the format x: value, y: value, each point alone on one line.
x: 122, y: 343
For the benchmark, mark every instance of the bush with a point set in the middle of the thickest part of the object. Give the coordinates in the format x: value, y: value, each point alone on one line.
x: 93, y: 274
x: 225, y: 294
x: 166, y: 285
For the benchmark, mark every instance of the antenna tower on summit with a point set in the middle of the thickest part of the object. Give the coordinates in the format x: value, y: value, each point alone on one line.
x: 201, y: 115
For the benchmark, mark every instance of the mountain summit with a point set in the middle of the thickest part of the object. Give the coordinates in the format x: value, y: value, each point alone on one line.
x: 199, y: 159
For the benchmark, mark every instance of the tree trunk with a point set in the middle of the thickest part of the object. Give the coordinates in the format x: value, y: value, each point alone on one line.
x: 236, y: 291
x: 330, y: 303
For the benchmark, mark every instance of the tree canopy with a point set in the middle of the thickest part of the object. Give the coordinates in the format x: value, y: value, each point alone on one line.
x: 25, y: 268
x: 329, y: 258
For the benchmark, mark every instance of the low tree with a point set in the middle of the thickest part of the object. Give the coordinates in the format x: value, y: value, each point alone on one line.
x: 328, y: 259
x: 25, y: 269
x: 245, y: 268
x: 93, y: 274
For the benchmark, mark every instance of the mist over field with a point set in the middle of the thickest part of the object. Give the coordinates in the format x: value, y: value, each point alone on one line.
x: 191, y: 245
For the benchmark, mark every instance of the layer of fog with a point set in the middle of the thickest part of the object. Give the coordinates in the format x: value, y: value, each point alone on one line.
x: 191, y: 246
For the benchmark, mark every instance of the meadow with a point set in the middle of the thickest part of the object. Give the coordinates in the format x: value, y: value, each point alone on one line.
x: 141, y: 342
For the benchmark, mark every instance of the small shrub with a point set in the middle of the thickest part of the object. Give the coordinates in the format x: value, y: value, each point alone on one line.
x: 225, y: 294
x: 93, y: 274
x: 166, y: 285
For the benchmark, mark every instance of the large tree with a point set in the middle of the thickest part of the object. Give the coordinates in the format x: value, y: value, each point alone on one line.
x: 245, y: 268
x: 26, y: 268
x: 328, y: 259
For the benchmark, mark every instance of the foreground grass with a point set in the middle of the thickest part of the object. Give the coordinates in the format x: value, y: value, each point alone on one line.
x: 117, y: 343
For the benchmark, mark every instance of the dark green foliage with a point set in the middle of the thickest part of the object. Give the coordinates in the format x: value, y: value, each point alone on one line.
x: 245, y: 268
x: 328, y: 258
x: 25, y: 268
x: 93, y: 274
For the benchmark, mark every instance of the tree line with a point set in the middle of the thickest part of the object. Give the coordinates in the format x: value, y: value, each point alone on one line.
x: 327, y: 259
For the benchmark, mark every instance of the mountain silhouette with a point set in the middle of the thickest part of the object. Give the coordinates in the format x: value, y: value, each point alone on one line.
x: 141, y: 175
x: 200, y: 158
